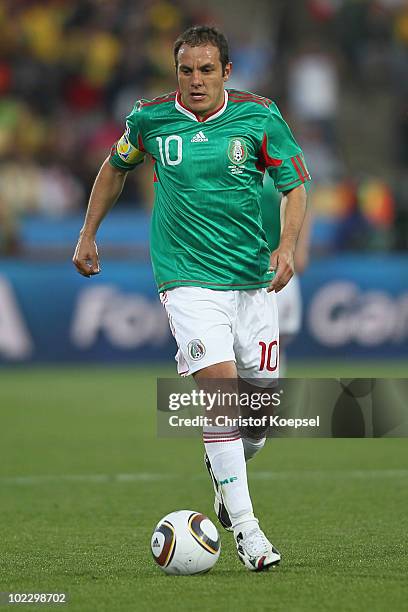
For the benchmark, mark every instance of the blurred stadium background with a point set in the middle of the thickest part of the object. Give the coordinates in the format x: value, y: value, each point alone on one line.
x: 69, y: 73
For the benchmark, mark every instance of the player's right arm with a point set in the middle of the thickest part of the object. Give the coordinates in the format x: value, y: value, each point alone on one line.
x: 106, y: 190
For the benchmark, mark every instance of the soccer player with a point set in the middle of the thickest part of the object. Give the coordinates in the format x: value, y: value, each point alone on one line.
x: 216, y: 279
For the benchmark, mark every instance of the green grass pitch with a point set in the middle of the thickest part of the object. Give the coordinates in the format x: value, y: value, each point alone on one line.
x: 83, y: 480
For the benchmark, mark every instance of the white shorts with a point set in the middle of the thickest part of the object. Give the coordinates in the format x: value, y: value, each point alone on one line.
x: 290, y: 308
x: 215, y: 326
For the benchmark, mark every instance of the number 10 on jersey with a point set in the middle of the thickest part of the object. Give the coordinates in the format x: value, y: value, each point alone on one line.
x: 166, y: 159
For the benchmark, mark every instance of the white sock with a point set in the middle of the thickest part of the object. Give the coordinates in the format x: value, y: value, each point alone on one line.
x: 252, y: 446
x: 225, y: 451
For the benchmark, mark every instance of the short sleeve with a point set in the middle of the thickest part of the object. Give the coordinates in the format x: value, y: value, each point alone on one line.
x: 128, y: 152
x: 281, y: 155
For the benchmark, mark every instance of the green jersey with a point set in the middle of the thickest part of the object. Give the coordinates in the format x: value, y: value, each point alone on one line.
x: 206, y: 225
x: 270, y: 207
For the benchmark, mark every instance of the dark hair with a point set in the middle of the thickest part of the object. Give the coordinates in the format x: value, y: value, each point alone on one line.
x: 203, y: 35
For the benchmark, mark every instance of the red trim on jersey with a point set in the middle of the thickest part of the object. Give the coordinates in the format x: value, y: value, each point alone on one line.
x: 247, y: 94
x: 300, y: 175
x: 200, y: 119
x: 244, y: 94
x: 159, y: 102
x: 155, y: 179
x: 264, y: 159
x: 170, y: 97
x: 140, y: 144
x: 253, y: 100
x: 303, y: 167
x: 256, y: 100
x: 246, y: 97
x: 287, y: 184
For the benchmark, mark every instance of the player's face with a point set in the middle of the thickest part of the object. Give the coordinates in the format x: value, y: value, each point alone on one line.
x: 200, y: 78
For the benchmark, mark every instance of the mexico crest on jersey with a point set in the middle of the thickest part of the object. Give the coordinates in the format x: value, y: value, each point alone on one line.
x: 237, y: 150
x: 196, y: 349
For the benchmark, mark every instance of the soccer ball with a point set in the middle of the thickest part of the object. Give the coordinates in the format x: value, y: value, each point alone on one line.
x: 185, y: 542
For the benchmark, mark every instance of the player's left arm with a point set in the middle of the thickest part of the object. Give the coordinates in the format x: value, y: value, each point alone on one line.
x: 302, y: 251
x: 281, y: 155
x: 292, y: 216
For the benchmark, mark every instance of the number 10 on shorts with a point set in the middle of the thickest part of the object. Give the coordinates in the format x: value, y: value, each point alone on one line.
x: 269, y: 356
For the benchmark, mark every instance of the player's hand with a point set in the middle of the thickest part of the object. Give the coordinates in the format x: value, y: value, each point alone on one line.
x: 282, y: 263
x: 86, y: 259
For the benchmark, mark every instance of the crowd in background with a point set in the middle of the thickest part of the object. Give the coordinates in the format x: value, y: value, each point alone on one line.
x: 70, y: 71
x: 344, y: 70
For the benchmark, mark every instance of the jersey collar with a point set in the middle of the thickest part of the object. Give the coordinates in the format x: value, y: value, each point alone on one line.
x: 186, y: 111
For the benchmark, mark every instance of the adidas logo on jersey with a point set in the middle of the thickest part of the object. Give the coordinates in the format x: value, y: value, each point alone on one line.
x: 199, y: 137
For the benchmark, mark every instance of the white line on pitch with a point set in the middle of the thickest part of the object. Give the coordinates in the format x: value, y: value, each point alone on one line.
x: 151, y: 477
x: 322, y: 474
x: 98, y: 478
